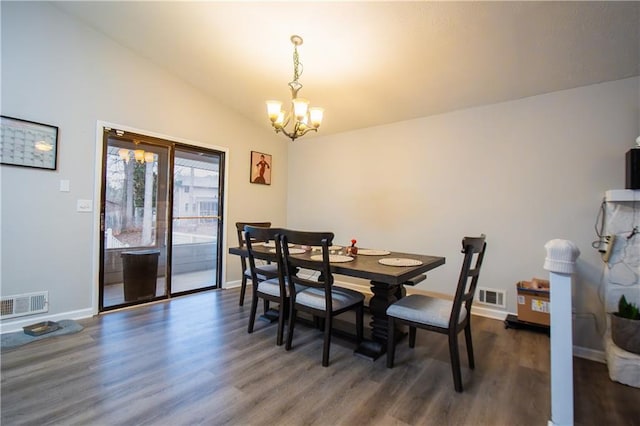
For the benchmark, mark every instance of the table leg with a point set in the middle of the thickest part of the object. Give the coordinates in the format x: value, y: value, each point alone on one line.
x: 383, y: 295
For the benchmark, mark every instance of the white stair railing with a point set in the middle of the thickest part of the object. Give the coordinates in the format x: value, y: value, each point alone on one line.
x: 560, y: 262
x: 113, y: 242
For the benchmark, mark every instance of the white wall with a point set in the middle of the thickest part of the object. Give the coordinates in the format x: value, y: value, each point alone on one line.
x: 522, y: 172
x: 59, y: 72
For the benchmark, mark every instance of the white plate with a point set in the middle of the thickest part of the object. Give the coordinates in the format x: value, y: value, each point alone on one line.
x: 335, y: 258
x: 291, y: 251
x: 372, y: 252
x: 398, y: 261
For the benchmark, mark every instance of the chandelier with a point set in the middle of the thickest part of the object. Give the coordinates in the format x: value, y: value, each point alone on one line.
x: 304, y: 119
x: 138, y: 154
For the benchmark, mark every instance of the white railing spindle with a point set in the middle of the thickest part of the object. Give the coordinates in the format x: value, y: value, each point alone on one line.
x: 560, y: 262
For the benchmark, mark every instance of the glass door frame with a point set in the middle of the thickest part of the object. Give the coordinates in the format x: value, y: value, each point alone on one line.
x: 103, y: 132
x: 221, y: 204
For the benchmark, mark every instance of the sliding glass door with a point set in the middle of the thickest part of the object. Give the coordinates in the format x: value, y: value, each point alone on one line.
x: 160, y: 220
x: 196, y: 221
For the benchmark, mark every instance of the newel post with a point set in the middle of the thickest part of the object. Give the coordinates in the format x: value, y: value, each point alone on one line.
x: 560, y: 262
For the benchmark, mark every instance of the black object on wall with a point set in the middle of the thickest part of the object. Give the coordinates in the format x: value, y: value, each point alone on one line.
x: 633, y: 169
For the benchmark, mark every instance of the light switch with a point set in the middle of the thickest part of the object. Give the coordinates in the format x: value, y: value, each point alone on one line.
x: 64, y: 185
x: 85, y: 206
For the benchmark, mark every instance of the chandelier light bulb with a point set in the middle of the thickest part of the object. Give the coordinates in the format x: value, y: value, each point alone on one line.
x: 124, y: 154
x: 138, y: 154
x: 302, y: 125
x: 315, y: 115
x: 300, y: 107
x: 273, y: 110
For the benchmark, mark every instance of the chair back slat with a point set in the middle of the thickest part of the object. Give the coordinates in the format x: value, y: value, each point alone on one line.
x: 474, y: 249
x: 255, y: 235
x: 240, y: 232
x: 292, y: 264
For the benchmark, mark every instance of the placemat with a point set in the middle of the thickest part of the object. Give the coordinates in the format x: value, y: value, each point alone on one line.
x: 273, y: 244
x: 317, y: 248
x: 291, y: 251
x: 372, y: 252
x: 335, y: 258
x: 398, y: 261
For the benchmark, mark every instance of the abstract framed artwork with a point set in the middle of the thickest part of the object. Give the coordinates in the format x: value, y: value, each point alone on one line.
x: 28, y: 144
x: 260, y: 168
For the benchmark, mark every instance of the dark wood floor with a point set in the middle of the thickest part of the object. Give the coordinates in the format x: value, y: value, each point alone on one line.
x: 191, y: 361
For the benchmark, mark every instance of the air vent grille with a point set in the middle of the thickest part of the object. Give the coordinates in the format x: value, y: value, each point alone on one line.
x: 491, y: 296
x: 24, y: 304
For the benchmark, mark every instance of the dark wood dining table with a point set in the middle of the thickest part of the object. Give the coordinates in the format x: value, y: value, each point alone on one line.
x: 385, y: 281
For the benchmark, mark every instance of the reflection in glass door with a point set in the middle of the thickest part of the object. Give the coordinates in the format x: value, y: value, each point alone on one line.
x: 196, y: 221
x: 134, y: 214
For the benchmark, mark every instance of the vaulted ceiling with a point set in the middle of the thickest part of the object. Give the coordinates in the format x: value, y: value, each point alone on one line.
x: 372, y: 63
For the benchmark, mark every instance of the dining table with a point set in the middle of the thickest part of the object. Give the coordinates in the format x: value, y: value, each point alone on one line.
x: 387, y: 272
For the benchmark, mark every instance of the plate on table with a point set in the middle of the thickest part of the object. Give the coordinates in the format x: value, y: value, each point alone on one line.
x: 372, y: 252
x: 334, y: 258
x: 399, y: 261
x: 291, y: 251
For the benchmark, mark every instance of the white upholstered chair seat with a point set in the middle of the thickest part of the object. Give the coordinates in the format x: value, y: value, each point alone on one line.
x: 271, y: 268
x: 425, y: 310
x: 272, y: 287
x: 341, y: 298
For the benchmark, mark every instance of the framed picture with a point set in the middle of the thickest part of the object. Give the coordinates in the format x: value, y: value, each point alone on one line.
x: 28, y: 144
x: 260, y: 168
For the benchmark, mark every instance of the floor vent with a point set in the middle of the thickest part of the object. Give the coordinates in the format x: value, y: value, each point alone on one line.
x: 491, y: 296
x: 24, y: 304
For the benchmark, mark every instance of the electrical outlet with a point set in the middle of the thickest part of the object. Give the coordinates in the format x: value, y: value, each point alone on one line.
x: 84, y: 206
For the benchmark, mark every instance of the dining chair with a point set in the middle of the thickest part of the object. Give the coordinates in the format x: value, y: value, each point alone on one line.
x: 270, y: 289
x: 266, y: 270
x: 448, y: 317
x: 320, y: 298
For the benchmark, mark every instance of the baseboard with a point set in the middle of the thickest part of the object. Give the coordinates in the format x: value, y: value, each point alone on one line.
x: 16, y: 325
x: 590, y: 354
x: 489, y: 313
x: 234, y: 284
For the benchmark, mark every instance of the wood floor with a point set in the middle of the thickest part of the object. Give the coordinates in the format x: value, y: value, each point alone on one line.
x: 191, y: 361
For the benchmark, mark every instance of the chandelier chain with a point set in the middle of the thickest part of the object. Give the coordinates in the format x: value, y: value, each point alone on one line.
x: 297, y: 66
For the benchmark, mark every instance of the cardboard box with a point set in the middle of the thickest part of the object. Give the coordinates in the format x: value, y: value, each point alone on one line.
x: 534, y: 305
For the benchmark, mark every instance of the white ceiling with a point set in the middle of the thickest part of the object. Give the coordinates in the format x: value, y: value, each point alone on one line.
x: 371, y: 63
